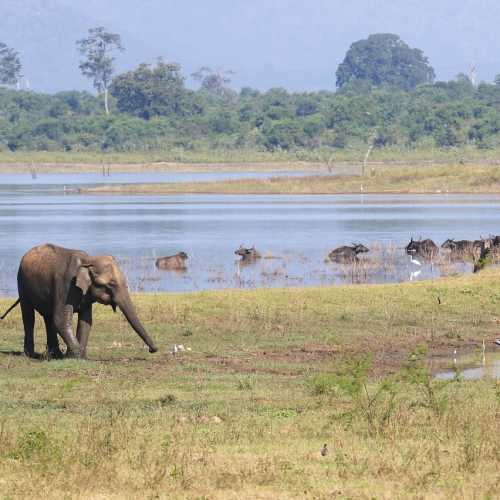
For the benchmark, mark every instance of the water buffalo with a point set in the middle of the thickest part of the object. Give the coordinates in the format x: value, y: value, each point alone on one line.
x: 175, y: 262
x: 347, y: 253
x: 485, y: 256
x: 425, y: 248
x: 495, y: 241
x: 461, y: 246
x: 247, y: 254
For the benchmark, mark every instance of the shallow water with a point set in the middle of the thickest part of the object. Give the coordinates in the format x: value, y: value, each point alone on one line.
x: 297, y: 231
x: 473, y: 366
x: 56, y: 182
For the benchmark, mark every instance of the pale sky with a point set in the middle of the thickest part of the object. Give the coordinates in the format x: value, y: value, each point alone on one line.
x: 296, y: 44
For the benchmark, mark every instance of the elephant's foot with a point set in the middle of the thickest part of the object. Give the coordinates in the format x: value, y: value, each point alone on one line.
x: 74, y: 355
x: 55, y: 354
x: 32, y: 354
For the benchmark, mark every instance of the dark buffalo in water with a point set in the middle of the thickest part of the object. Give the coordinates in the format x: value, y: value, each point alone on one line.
x: 247, y: 254
x: 485, y: 256
x: 425, y: 248
x: 175, y: 262
x: 347, y: 253
x: 461, y: 246
x: 495, y: 241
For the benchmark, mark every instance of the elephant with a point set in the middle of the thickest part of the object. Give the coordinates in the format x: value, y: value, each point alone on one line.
x: 175, y: 262
x: 247, y: 254
x: 347, y: 253
x: 58, y: 282
x: 424, y: 248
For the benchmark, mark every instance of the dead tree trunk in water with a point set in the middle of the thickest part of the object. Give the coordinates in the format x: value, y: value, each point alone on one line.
x: 368, y: 152
x: 106, y: 104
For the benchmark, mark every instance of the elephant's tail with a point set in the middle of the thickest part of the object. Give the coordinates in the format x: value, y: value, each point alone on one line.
x: 10, y: 308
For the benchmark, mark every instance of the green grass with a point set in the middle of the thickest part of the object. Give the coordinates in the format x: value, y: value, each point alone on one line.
x: 272, y: 376
x: 323, y: 156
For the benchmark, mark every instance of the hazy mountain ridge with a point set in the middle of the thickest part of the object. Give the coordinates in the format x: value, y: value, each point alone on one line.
x: 44, y: 32
x: 287, y: 43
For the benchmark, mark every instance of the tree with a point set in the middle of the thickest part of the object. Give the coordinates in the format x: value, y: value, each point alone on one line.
x: 10, y: 65
x: 384, y: 59
x: 215, y: 81
x: 98, y: 63
x: 150, y: 90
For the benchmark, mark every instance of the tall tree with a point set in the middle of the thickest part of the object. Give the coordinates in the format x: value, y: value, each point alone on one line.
x: 215, y: 81
x: 98, y: 63
x: 149, y: 91
x: 384, y: 59
x: 10, y: 65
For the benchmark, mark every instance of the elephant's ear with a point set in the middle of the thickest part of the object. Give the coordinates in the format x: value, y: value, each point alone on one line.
x: 83, y: 280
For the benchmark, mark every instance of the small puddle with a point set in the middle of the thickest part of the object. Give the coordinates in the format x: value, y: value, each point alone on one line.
x: 473, y: 366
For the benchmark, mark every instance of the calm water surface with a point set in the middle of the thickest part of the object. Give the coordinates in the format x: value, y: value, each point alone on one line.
x: 56, y: 182
x: 295, y: 233
x: 473, y: 366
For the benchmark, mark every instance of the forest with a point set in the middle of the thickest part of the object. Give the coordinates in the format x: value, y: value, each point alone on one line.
x: 385, y: 96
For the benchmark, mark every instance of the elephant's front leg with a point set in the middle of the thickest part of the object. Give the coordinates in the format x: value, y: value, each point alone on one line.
x: 83, y: 329
x: 53, y: 349
x: 63, y: 319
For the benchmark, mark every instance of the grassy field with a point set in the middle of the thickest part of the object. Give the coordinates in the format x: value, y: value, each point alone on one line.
x: 272, y: 376
x: 89, y: 160
x: 161, y: 166
x: 432, y: 179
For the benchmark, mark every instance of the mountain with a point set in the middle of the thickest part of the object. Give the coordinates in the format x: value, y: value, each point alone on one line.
x: 44, y: 32
x: 290, y: 43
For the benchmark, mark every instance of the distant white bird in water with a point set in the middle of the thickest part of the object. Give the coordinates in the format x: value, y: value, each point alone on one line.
x: 415, y: 261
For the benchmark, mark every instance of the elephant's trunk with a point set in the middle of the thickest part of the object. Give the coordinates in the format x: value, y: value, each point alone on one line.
x: 128, y: 309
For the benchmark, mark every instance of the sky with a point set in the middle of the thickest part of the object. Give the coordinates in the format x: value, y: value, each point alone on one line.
x: 296, y: 44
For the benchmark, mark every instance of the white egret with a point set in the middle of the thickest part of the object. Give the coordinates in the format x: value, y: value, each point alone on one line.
x: 415, y: 261
x: 415, y: 274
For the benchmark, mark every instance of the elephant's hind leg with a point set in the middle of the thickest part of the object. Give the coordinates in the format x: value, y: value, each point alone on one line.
x: 28, y: 314
x: 53, y: 349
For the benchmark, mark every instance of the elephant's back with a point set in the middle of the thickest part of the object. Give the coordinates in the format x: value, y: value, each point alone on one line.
x: 40, y: 260
x: 37, y: 270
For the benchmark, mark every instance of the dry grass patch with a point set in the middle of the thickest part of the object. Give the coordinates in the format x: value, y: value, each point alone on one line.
x: 423, y: 179
x: 273, y: 375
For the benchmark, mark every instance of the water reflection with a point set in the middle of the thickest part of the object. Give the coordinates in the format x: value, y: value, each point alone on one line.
x: 294, y: 234
x: 56, y: 182
x: 473, y: 366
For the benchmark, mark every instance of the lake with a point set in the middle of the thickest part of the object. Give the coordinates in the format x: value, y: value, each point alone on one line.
x: 56, y: 182
x: 293, y: 233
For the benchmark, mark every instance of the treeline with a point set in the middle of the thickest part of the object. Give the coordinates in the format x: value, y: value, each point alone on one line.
x: 386, y: 96
x: 443, y: 114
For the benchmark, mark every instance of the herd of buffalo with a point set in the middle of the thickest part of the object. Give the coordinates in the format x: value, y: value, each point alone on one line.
x: 425, y: 248
x: 60, y: 282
